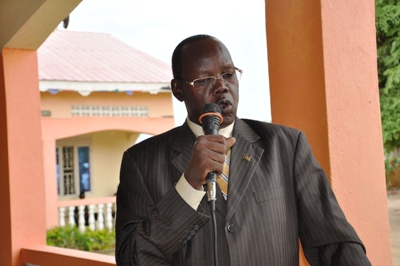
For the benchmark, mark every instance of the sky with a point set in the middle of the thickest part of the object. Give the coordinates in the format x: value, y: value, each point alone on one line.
x: 157, y: 26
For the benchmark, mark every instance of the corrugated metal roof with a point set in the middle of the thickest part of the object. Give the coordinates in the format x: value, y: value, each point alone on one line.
x: 97, y: 57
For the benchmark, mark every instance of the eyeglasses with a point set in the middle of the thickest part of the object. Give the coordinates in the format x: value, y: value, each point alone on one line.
x: 228, y: 78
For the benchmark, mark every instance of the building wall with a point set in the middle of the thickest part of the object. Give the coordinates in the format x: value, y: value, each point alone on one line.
x: 159, y: 105
x: 107, y: 137
x: 107, y: 150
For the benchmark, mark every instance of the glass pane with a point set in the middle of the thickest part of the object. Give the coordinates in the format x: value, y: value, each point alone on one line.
x: 68, y: 170
x: 84, y: 169
x: 58, y: 172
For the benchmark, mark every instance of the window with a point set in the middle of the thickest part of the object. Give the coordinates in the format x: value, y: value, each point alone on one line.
x: 92, y: 110
x: 84, y: 175
x: 73, y: 170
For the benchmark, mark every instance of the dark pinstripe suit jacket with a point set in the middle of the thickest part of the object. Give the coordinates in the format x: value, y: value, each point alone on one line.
x: 274, y: 199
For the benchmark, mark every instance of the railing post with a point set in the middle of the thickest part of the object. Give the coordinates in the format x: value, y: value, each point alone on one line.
x: 71, y: 216
x: 91, y: 217
x: 81, y: 219
x: 109, y: 222
x: 100, y: 217
x: 61, y: 213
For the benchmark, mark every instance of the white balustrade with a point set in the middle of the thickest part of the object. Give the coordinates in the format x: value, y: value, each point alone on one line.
x: 96, y: 214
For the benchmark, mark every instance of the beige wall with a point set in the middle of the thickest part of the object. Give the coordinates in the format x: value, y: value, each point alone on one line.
x: 106, y: 155
x: 159, y: 105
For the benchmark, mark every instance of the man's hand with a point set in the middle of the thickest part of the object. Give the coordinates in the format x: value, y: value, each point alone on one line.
x: 208, y: 156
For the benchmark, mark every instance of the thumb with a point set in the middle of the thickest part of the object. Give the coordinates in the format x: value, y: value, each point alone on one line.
x: 229, y: 142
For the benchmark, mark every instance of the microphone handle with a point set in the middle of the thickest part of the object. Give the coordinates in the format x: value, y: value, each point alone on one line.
x: 211, y: 180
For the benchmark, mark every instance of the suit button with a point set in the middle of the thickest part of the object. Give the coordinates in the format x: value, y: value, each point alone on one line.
x: 231, y: 228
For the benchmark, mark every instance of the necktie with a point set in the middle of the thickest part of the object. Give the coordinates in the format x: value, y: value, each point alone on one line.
x: 223, y: 179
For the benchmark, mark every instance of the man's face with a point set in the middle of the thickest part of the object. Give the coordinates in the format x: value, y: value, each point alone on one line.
x: 205, y: 58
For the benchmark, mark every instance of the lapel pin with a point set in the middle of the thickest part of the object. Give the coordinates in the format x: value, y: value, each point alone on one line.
x: 246, y: 157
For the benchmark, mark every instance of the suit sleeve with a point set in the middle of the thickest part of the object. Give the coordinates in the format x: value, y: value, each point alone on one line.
x: 326, y: 235
x: 148, y: 232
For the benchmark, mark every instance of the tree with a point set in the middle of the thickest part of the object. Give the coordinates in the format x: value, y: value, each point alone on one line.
x: 387, y: 14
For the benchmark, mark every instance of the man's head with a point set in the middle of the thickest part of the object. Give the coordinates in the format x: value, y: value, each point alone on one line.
x: 195, y: 59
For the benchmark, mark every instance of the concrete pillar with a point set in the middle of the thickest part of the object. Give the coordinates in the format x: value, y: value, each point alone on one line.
x: 22, y: 189
x: 50, y: 170
x: 323, y: 80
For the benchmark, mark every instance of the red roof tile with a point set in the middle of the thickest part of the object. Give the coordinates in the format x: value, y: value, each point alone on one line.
x: 97, y: 57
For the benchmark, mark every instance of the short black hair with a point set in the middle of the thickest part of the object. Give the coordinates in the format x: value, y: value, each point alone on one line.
x: 177, y: 54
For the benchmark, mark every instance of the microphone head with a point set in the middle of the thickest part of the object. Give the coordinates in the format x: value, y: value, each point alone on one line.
x: 211, y: 108
x: 211, y: 118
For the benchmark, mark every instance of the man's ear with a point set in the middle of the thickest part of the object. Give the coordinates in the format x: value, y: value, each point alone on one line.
x: 177, y: 90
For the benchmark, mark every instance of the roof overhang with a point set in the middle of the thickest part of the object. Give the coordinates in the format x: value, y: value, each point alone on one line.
x: 85, y: 88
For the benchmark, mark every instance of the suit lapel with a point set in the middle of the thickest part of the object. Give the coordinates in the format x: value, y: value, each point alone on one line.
x: 182, y: 148
x: 245, y: 156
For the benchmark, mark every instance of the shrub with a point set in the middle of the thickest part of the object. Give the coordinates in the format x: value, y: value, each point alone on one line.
x: 71, y: 237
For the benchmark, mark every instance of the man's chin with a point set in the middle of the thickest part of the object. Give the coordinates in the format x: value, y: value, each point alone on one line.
x: 228, y: 120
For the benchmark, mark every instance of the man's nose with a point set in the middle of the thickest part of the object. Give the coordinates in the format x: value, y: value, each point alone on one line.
x: 220, y: 86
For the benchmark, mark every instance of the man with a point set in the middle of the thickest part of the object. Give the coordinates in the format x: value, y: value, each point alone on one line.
x: 277, y: 192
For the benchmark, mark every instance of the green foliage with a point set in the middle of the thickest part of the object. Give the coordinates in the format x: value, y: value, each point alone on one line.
x: 388, y: 45
x: 391, y: 165
x: 71, y: 237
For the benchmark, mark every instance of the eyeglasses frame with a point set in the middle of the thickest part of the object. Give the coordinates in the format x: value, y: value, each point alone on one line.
x: 214, y: 77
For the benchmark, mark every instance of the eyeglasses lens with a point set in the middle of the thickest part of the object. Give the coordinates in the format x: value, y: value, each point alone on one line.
x: 226, y: 78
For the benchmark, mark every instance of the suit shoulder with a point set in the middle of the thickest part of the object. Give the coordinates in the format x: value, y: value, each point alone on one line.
x: 276, y: 130
x: 283, y: 138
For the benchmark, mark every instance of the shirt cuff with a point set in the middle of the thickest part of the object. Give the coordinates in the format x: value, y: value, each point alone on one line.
x: 189, y: 194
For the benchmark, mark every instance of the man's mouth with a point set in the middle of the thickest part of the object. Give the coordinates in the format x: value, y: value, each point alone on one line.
x: 225, y: 105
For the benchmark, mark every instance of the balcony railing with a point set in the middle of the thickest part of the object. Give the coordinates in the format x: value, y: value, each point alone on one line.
x: 50, y: 256
x: 96, y: 214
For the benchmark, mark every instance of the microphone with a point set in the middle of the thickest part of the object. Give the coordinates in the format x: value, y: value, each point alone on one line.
x: 211, y: 119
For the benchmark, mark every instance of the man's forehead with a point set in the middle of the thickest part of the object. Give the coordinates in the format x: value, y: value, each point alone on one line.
x: 202, y: 45
x: 202, y: 52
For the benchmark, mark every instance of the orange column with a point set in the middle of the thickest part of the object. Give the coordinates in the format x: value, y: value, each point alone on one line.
x: 50, y: 170
x: 323, y: 80
x: 22, y: 194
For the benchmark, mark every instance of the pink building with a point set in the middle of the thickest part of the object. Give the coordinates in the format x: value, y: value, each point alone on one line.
x: 97, y: 95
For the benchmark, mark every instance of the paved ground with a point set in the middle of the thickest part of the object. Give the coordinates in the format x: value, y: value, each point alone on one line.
x: 394, y: 220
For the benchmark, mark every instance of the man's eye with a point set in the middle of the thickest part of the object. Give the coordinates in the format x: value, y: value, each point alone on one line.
x: 227, y: 76
x: 203, y: 82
